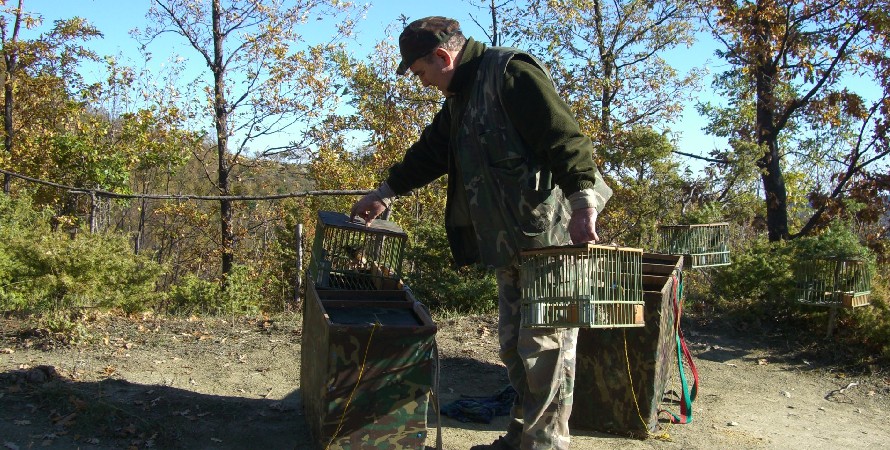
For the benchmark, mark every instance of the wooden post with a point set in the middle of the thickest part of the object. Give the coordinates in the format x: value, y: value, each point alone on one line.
x: 832, y: 320
x: 94, y: 213
x: 298, y: 282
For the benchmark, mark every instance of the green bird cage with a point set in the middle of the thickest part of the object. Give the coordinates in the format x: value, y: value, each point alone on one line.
x: 833, y: 281
x: 351, y: 255
x: 582, y: 286
x: 704, y: 245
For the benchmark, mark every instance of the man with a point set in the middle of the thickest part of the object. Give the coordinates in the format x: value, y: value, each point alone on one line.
x: 516, y: 161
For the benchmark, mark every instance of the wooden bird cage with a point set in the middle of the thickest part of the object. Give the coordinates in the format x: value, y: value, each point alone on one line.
x: 704, y: 245
x: 354, y: 256
x: 584, y: 286
x: 833, y: 281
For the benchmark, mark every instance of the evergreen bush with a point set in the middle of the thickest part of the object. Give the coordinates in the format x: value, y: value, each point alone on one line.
x: 435, y: 282
x: 42, y: 271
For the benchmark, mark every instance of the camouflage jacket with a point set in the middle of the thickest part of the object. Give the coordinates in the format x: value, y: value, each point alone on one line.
x: 510, y: 147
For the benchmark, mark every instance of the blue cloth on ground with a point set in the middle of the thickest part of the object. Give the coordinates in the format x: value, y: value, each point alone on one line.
x: 481, y: 409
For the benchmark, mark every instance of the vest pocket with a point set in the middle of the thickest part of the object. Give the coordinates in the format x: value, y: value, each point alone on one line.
x: 498, y: 154
x: 515, y: 179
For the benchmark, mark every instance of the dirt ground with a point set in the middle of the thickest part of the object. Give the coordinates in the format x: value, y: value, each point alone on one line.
x: 152, y: 382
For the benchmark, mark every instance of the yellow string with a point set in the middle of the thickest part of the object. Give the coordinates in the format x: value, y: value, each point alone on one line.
x: 361, y: 372
x: 631, y: 379
x: 664, y: 435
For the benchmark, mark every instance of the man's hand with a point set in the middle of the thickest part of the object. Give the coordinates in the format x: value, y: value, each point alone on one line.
x: 368, y: 208
x: 582, y: 226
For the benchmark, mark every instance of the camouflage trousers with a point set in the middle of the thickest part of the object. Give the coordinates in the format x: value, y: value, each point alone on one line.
x: 541, y: 367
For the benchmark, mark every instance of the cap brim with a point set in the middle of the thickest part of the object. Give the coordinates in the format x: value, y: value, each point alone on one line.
x: 403, y: 67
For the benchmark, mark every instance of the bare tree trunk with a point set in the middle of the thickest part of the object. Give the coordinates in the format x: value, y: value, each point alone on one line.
x: 222, y: 135
x: 140, y: 228
x: 773, y: 180
x: 298, y: 282
x: 495, y: 38
x: 776, y: 193
x: 94, y: 213
x: 607, y: 63
x: 10, y: 57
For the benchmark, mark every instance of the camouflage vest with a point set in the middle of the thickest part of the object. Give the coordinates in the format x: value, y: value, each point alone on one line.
x: 513, y: 203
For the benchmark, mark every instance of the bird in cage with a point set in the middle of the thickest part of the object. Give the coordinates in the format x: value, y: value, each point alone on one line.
x: 356, y: 254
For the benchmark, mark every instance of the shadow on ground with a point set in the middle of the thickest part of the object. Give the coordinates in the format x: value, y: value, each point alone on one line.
x: 40, y: 407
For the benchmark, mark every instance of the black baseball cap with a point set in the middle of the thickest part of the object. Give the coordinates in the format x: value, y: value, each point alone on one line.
x: 422, y: 36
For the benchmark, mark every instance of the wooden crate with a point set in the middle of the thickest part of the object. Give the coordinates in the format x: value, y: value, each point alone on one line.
x: 604, y: 398
x: 366, y: 370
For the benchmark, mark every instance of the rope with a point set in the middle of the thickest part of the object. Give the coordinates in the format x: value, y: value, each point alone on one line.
x: 109, y: 194
x: 664, y: 435
x: 361, y: 373
x: 631, y: 380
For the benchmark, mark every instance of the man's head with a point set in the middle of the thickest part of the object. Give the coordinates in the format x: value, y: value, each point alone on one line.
x: 430, y: 48
x: 422, y: 37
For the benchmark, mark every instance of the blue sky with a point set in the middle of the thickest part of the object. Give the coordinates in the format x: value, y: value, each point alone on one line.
x: 115, y: 19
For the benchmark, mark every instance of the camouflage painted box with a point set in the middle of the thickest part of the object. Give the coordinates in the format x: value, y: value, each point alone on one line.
x: 604, y: 398
x: 366, y: 368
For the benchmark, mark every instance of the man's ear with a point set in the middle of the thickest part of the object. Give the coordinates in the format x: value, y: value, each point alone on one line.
x: 447, y: 58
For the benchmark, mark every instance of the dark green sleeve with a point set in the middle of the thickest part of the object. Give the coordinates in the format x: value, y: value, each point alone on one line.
x: 426, y: 159
x: 547, y: 126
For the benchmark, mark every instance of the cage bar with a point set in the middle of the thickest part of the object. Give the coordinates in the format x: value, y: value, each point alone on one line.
x: 833, y: 281
x: 584, y: 286
x: 704, y: 244
x: 353, y: 256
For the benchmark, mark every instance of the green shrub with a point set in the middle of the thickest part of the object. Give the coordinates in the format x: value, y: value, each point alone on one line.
x: 244, y: 292
x: 758, y: 283
x: 435, y: 282
x: 837, y: 240
x: 42, y: 271
x: 706, y: 213
x: 759, y: 287
x: 193, y: 295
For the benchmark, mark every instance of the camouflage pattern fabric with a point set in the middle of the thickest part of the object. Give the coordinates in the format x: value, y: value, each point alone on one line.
x: 605, y: 399
x: 513, y: 202
x: 541, y: 367
x: 382, y: 374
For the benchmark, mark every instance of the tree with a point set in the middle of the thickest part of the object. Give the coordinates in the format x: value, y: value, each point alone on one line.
x: 261, y: 82
x: 647, y: 186
x: 492, y: 9
x: 608, y: 60
x: 51, y: 57
x: 794, y: 58
x: 388, y: 112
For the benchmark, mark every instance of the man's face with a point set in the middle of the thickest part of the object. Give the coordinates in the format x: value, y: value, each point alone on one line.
x: 435, y: 70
